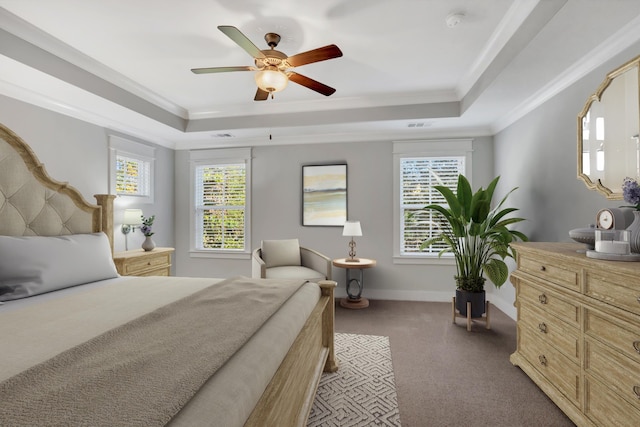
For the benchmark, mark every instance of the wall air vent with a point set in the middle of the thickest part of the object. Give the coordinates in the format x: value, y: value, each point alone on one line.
x: 419, y: 125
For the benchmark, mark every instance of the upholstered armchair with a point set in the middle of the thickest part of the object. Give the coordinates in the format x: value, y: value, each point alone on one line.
x: 286, y: 259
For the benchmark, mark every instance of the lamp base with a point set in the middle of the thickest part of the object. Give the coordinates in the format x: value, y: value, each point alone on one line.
x: 351, y: 260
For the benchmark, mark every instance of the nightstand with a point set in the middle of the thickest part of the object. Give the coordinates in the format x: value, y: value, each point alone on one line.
x: 353, y: 265
x: 144, y: 263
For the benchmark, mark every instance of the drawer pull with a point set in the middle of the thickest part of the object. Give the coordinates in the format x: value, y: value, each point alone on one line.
x: 543, y: 327
x: 149, y: 263
x: 636, y: 345
x: 636, y: 391
x: 542, y: 298
x: 543, y: 362
x: 543, y: 268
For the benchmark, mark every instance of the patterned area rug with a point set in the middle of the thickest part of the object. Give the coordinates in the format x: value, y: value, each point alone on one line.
x: 363, y: 391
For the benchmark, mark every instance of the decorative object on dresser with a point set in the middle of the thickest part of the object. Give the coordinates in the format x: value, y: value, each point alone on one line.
x: 143, y: 263
x: 586, y: 235
x: 614, y: 218
x: 479, y: 239
x: 578, y: 339
x: 631, y: 194
x: 613, y: 245
x: 606, y: 219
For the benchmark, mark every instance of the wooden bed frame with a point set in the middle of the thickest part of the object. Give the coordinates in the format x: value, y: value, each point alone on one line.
x: 289, y: 396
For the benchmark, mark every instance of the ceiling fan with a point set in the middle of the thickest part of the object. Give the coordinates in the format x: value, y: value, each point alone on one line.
x: 272, y: 66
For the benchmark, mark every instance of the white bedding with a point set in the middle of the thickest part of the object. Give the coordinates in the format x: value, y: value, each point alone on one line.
x: 40, y: 327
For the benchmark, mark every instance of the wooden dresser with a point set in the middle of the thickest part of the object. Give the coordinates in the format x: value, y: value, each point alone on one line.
x: 142, y: 263
x: 579, y: 331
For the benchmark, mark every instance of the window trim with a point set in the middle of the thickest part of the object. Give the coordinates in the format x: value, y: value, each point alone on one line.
x: 423, y: 148
x: 218, y: 156
x: 119, y: 146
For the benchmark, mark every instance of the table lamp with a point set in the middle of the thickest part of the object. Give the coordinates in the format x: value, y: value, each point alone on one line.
x: 131, y: 219
x: 351, y: 229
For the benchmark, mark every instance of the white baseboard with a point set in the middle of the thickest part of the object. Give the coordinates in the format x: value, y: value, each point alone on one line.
x: 428, y: 296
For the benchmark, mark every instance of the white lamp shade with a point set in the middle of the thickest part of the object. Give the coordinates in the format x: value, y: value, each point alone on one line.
x: 352, y: 228
x: 271, y: 80
x: 132, y: 217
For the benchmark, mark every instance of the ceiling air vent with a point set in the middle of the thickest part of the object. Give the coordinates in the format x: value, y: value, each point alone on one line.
x: 222, y: 135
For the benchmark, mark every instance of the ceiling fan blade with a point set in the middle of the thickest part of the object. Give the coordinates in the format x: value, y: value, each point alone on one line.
x: 221, y: 69
x: 310, y: 83
x: 236, y: 35
x: 321, y: 54
x: 261, y: 95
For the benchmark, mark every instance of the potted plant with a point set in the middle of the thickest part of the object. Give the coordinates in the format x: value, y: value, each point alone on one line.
x: 479, y: 239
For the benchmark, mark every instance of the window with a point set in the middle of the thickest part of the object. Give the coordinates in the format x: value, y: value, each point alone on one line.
x: 419, y: 176
x: 418, y: 167
x: 131, y: 170
x: 133, y: 176
x: 221, y: 200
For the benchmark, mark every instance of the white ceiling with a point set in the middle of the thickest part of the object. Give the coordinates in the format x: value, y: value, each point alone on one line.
x: 404, y: 72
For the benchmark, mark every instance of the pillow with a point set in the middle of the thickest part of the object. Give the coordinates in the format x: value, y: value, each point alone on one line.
x: 32, y: 265
x: 276, y: 253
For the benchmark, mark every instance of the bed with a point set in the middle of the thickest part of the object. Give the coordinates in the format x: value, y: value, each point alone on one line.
x: 82, y: 345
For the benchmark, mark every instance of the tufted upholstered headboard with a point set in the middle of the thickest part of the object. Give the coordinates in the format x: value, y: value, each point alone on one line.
x: 34, y: 204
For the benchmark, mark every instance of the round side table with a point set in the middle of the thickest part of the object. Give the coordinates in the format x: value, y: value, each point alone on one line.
x: 355, y: 278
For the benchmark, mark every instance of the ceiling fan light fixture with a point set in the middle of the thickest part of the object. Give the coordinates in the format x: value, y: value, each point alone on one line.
x: 271, y: 79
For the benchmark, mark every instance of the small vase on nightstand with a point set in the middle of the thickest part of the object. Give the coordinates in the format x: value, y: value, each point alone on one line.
x: 148, y: 244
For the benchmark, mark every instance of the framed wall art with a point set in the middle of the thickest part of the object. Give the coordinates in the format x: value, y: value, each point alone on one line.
x: 324, y: 195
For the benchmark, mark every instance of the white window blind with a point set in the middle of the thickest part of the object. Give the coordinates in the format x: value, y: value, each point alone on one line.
x: 131, y: 167
x: 220, y: 206
x: 133, y: 176
x: 418, y: 176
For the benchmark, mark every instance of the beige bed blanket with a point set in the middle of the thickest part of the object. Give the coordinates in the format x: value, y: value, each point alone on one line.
x: 143, y: 372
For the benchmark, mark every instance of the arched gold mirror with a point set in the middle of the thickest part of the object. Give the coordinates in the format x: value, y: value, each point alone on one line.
x: 608, y: 127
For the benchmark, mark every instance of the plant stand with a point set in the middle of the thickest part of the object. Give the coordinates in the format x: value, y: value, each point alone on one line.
x: 485, y: 318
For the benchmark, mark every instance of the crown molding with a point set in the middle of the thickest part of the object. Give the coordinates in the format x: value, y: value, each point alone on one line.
x: 612, y: 46
x: 35, y: 36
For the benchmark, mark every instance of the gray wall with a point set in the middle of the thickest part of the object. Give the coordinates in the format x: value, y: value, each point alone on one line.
x: 276, y: 202
x: 77, y: 152
x: 539, y: 154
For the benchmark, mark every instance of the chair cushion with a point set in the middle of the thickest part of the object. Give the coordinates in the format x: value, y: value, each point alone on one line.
x: 276, y: 253
x: 303, y: 273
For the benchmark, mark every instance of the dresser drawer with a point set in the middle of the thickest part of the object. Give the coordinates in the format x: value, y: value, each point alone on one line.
x: 605, y: 408
x: 550, y: 272
x: 135, y: 265
x: 549, y: 301
x: 623, y: 336
x: 551, y: 331
x: 615, y: 370
x: 620, y: 291
x: 561, y: 371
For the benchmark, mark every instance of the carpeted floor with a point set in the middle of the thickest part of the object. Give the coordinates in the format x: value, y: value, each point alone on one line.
x: 362, y: 392
x: 446, y: 376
